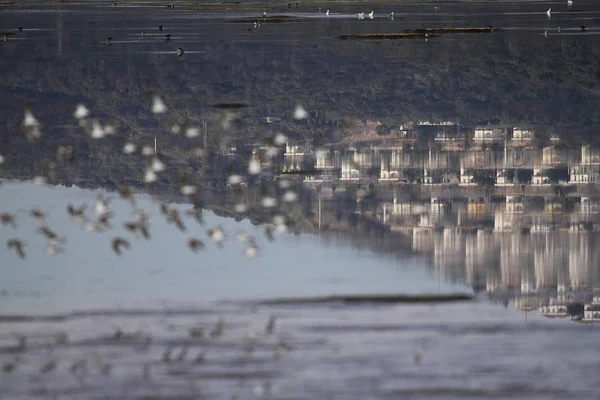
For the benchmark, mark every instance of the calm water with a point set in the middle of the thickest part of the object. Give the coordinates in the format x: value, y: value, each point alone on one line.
x: 442, y: 164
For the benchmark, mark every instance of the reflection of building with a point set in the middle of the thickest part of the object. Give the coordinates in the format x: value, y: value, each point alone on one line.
x: 293, y: 157
x: 591, y: 311
x: 489, y: 135
x: 392, y: 163
x: 521, y: 137
x: 588, y: 170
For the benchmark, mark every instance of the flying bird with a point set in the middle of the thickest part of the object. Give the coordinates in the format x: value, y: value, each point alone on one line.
x: 195, y: 244
x: 118, y: 243
x: 8, y: 219
x: 18, y: 246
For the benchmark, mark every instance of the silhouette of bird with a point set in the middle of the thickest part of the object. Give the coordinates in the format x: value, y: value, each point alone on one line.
x: 269, y: 232
x: 174, y: 217
x: 160, y: 28
x: 128, y: 194
x: 196, y: 214
x: 195, y: 244
x: 51, y: 235
x: 8, y: 219
x: 582, y: 28
x: 18, y: 246
x: 39, y: 216
x: 118, y: 243
x: 76, y: 214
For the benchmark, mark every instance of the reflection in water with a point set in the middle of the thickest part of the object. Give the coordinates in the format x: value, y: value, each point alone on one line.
x: 267, y: 126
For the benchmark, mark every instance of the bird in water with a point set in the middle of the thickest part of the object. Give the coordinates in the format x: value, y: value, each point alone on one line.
x: 549, y: 12
x: 160, y: 28
x: 569, y: 3
x: 270, y: 328
x: 360, y: 15
x: 327, y: 13
x: 582, y: 28
x: 180, y: 52
x: 371, y: 15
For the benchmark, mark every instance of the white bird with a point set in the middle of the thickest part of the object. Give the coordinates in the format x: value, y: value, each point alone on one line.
x: 97, y: 131
x: 392, y: 15
x: 81, y: 111
x: 360, y: 15
x: 548, y: 13
x: 217, y: 235
x: 569, y: 3
x: 251, y: 251
x: 300, y: 112
x: 371, y: 15
x: 327, y: 13
x: 158, y: 106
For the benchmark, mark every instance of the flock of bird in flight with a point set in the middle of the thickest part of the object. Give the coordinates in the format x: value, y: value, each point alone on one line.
x: 138, y: 227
